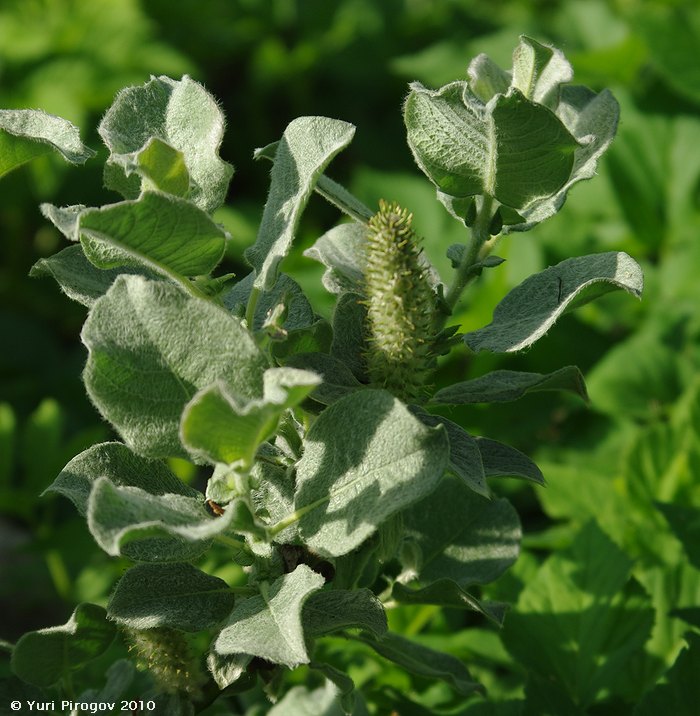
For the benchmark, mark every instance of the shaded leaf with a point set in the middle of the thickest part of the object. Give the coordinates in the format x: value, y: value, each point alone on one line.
x: 45, y: 656
x: 503, y: 460
x: 502, y: 386
x: 342, y: 251
x: 473, y: 542
x: 423, y: 661
x: 169, y: 595
x: 328, y: 611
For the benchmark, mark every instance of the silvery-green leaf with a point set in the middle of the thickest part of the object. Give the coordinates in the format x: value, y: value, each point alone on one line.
x: 501, y: 386
x: 163, y: 168
x: 333, y: 610
x: 286, y: 290
x: 29, y: 133
x: 350, y: 481
x: 220, y: 427
x: 269, y: 625
x: 64, y: 218
x: 151, y: 349
x: 447, y: 593
x: 423, y: 661
x: 341, y: 250
x: 592, y: 119
x: 345, y: 685
x: 330, y: 190
x: 486, y: 78
x: 162, y: 232
x: 539, y: 71
x: 147, y: 528
x: 79, y: 279
x: 122, y: 467
x: 531, y: 308
x: 503, y: 460
x: 514, y: 150
x: 177, y: 113
x: 307, y: 146
x: 171, y: 595
x: 474, y: 541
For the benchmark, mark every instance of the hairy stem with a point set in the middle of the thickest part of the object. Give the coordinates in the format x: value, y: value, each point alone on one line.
x: 480, y: 236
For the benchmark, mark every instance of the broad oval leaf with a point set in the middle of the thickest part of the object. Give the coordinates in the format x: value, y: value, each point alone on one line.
x: 151, y: 528
x: 474, y: 540
x: 164, y: 233
x: 45, y: 656
x: 270, y: 625
x: 169, y: 595
x: 151, y: 349
x: 350, y: 481
x: 532, y: 308
x: 307, y: 146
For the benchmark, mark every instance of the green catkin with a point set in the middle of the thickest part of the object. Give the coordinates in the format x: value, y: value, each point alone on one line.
x: 165, y: 654
x: 400, y: 306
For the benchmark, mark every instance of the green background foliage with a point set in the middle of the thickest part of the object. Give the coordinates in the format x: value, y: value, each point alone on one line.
x: 608, y: 582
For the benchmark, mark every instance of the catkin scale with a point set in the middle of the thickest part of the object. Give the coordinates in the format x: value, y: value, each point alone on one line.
x: 400, y: 306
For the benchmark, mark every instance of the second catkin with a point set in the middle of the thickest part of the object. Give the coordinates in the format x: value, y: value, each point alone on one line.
x: 401, y: 313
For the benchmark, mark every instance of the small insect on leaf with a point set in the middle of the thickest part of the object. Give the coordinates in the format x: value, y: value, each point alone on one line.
x: 215, y: 508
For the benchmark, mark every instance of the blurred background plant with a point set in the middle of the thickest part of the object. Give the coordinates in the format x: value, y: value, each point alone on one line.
x: 611, y: 463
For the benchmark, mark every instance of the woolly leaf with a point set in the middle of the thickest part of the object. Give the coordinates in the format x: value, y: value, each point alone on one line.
x: 151, y: 349
x: 350, y: 481
x: 270, y: 625
x: 128, y: 521
x: 171, y: 595
x: 164, y: 233
x: 29, y: 133
x: 155, y: 129
x: 337, y: 378
x: 531, y: 308
x: 79, y: 279
x: 45, y: 656
x: 220, y: 427
x: 503, y: 460
x: 342, y: 251
x: 474, y: 541
x: 122, y: 467
x: 307, y: 146
x: 329, y: 611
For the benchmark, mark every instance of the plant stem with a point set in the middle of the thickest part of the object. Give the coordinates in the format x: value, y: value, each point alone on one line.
x: 250, y: 308
x: 480, y: 235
